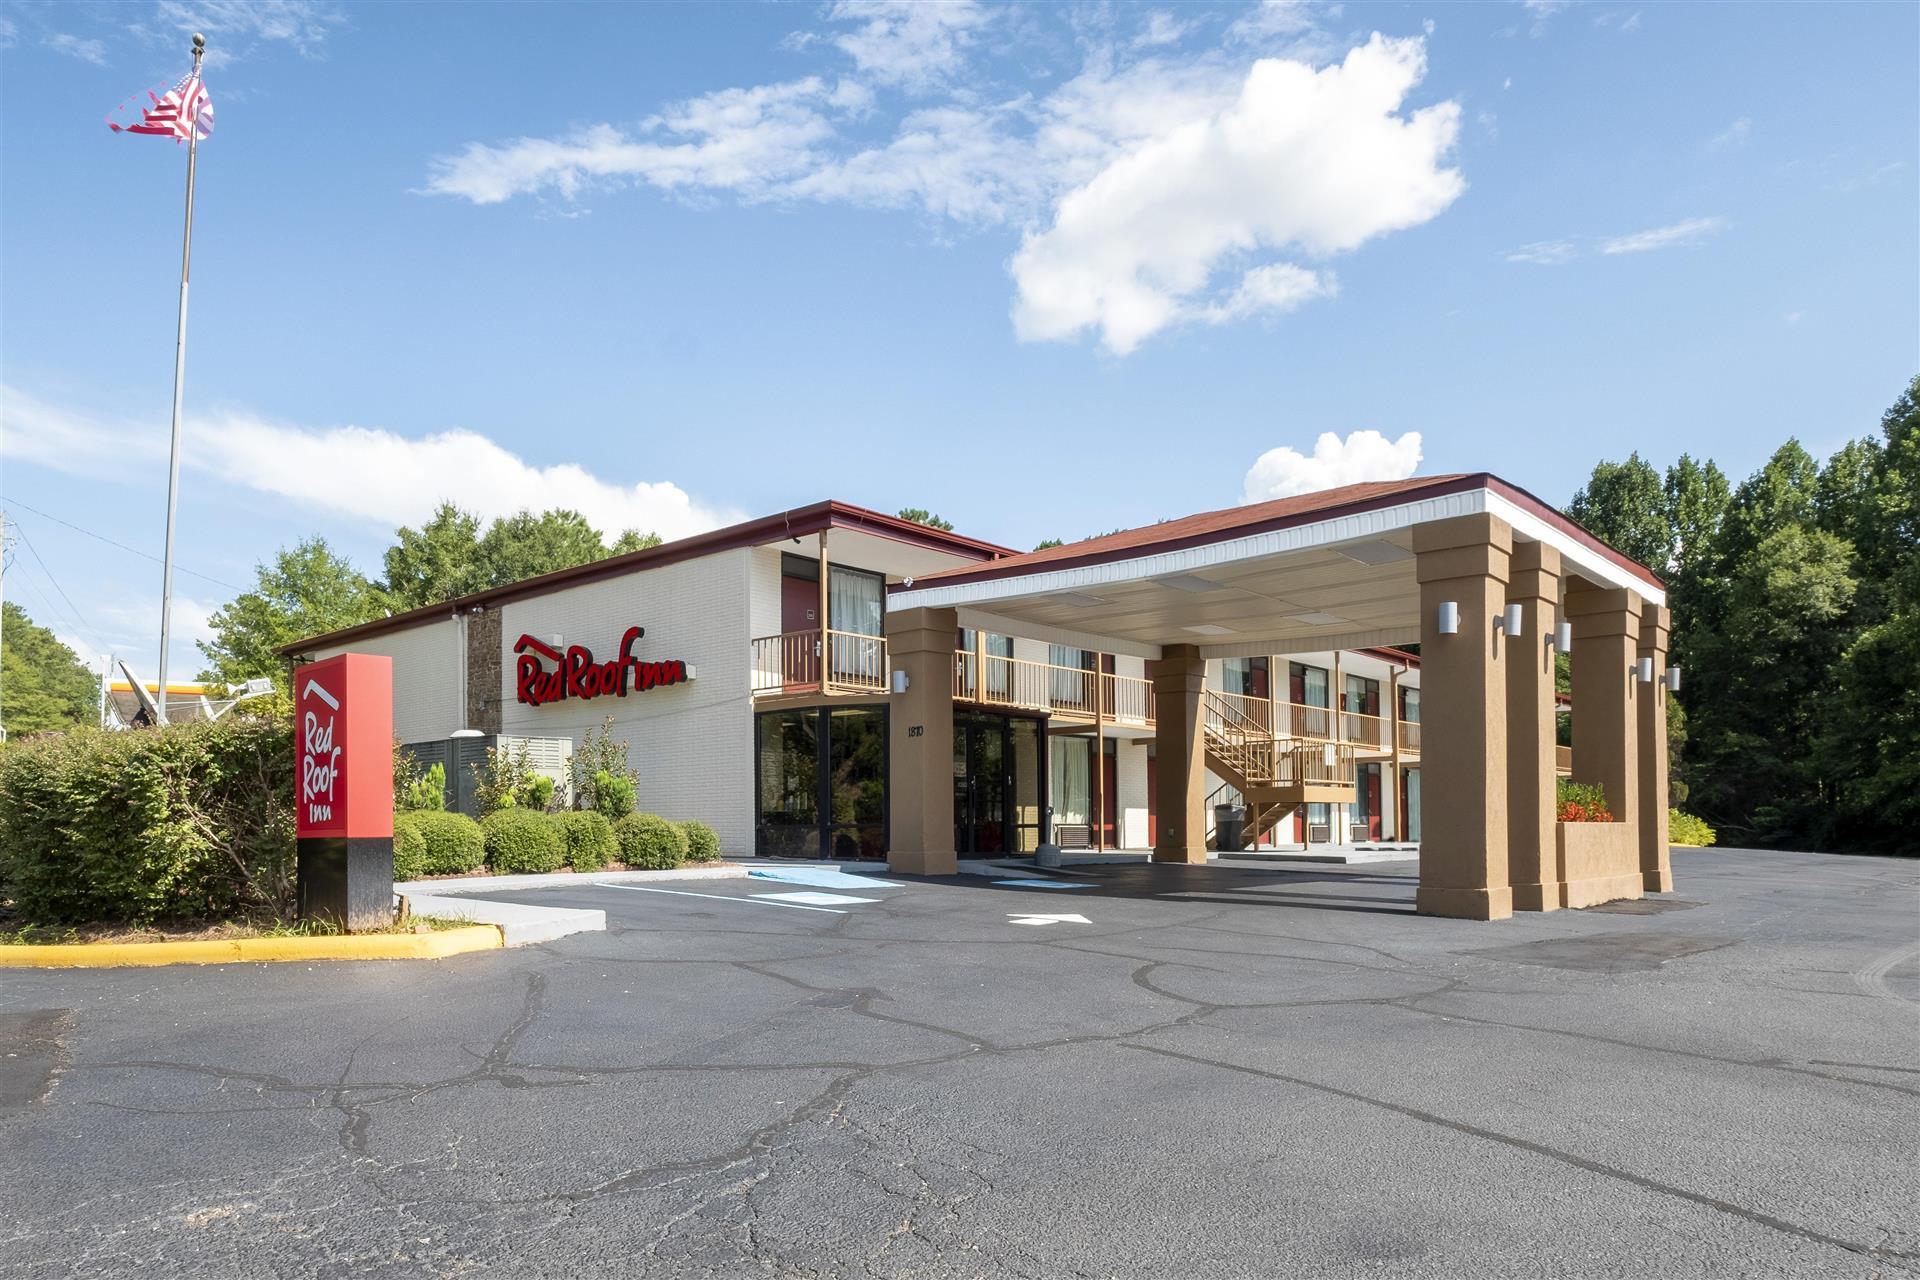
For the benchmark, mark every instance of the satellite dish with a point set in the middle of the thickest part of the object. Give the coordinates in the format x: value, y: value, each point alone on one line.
x: 149, y: 712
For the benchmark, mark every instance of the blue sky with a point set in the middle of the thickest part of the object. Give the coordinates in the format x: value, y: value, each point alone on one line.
x: 1047, y: 270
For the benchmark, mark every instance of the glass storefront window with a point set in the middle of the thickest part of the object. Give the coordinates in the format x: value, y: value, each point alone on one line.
x: 822, y: 782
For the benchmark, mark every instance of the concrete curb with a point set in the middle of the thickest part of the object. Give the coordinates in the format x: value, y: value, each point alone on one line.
x: 352, y: 946
x: 519, y: 924
x: 561, y: 880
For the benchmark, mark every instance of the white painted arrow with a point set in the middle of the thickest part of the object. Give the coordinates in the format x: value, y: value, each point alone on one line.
x: 1031, y: 918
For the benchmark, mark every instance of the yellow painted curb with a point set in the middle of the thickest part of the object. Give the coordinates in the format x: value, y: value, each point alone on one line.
x: 362, y: 946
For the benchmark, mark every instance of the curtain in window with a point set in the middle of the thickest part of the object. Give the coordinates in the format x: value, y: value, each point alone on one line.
x: 1070, y: 785
x: 1410, y: 705
x: 1066, y: 688
x: 855, y: 603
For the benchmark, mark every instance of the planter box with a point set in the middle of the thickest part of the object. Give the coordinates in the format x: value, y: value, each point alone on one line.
x: 1600, y: 860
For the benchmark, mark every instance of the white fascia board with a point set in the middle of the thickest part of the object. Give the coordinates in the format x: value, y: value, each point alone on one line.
x: 1091, y: 577
x: 1591, y: 564
x: 1350, y: 528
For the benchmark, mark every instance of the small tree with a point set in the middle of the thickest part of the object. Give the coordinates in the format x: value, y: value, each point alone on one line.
x: 504, y: 779
x: 426, y: 792
x: 601, y: 754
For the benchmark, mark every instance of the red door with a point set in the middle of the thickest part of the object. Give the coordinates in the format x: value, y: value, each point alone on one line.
x: 799, y: 611
x: 1373, y: 802
x: 1110, y: 819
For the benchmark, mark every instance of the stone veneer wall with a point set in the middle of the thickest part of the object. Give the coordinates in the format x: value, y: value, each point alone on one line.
x: 485, y: 660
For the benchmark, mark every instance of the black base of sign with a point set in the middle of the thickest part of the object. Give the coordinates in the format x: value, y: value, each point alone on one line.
x: 348, y: 882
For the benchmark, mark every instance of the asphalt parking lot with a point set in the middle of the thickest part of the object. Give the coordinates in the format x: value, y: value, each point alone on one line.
x: 1235, y: 1071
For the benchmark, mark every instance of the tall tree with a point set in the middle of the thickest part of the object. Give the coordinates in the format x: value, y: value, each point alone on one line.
x: 307, y: 590
x: 1696, y: 497
x: 43, y: 685
x: 523, y: 545
x: 438, y: 561
x: 1623, y: 503
x: 633, y: 540
x: 920, y: 515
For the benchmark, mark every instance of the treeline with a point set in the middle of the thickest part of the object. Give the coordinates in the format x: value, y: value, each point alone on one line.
x: 1796, y: 622
x: 308, y: 590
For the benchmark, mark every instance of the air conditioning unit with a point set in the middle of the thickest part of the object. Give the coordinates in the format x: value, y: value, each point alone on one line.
x: 1319, y: 833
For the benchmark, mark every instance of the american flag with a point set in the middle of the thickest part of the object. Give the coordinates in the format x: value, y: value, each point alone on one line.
x: 184, y: 109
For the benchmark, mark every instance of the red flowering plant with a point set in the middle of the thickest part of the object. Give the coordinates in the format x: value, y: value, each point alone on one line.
x: 1581, y: 802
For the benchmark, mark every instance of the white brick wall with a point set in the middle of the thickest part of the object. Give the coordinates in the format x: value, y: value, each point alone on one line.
x: 426, y: 677
x: 692, y: 744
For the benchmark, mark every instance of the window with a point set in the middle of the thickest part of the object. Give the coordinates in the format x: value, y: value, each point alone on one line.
x: 1066, y: 687
x: 1070, y: 784
x: 821, y: 782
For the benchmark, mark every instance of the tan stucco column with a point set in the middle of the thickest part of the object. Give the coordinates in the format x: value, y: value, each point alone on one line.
x: 1656, y: 867
x: 920, y: 742
x: 1463, y: 710
x: 1533, y: 851
x: 1179, y: 676
x: 1606, y: 631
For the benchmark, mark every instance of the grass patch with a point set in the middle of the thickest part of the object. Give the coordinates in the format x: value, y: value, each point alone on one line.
x: 29, y: 935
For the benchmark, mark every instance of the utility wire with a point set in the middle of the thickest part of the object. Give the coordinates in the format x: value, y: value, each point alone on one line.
x: 79, y: 622
x: 123, y: 546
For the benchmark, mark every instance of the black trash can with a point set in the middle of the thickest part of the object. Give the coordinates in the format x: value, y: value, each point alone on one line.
x: 1229, y: 828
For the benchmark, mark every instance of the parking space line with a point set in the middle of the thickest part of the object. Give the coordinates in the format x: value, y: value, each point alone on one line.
x: 721, y: 897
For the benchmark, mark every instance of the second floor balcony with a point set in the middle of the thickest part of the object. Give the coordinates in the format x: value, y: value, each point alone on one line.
x: 1062, y: 693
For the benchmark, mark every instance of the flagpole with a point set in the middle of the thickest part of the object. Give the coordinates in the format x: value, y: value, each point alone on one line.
x: 179, y: 386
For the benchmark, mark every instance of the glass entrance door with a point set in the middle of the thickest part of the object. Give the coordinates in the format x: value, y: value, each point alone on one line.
x: 996, y: 784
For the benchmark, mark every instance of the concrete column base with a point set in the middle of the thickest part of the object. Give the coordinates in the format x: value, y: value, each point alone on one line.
x: 1539, y: 897
x: 1465, y: 904
x: 1184, y: 857
x: 931, y: 863
x: 1660, y: 881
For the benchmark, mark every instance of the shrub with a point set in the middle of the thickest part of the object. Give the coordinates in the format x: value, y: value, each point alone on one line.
x: 538, y: 793
x: 453, y: 843
x: 409, y: 850
x: 588, y: 840
x: 650, y: 842
x: 703, y: 843
x: 613, y: 795
x: 186, y: 821
x: 424, y: 792
x: 1685, y: 828
x: 1581, y: 802
x: 502, y: 779
x: 521, y: 842
x: 600, y: 753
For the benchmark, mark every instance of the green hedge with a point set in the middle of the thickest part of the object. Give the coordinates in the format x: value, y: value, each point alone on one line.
x: 190, y: 821
x: 522, y: 842
x: 588, y: 840
x: 1684, y: 828
x: 452, y: 843
x: 409, y: 851
x: 650, y: 842
x: 703, y: 843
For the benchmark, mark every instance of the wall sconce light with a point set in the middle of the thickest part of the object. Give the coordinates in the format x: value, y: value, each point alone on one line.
x: 1449, y: 620
x: 1672, y: 679
x: 1645, y: 666
x: 900, y: 682
x: 1563, y: 637
x: 1512, y: 623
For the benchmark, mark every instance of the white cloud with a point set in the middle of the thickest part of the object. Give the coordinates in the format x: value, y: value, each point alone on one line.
x: 1734, y: 134
x: 1363, y: 455
x: 235, y: 28
x: 739, y: 139
x: 1272, y: 18
x: 1162, y: 28
x: 1541, y: 11
x: 94, y: 51
x: 914, y: 44
x: 357, y: 472
x: 1545, y: 253
x: 1317, y: 161
x: 1275, y: 288
x: 1686, y: 231
x: 9, y: 34
x: 1151, y: 189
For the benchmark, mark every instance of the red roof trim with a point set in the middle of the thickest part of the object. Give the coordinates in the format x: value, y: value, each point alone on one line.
x: 1107, y: 553
x: 797, y: 522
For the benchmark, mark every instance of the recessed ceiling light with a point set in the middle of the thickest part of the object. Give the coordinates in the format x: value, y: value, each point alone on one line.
x: 1318, y: 618
x: 1191, y: 582
x: 1209, y: 629
x: 1375, y: 552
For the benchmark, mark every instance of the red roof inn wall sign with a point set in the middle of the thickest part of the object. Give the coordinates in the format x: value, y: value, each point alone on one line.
x: 575, y: 674
x: 343, y: 789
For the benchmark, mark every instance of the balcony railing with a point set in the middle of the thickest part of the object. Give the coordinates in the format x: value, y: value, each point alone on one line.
x: 1410, y: 737
x: 1298, y: 720
x: 1070, y: 693
x: 1369, y: 733
x: 793, y: 662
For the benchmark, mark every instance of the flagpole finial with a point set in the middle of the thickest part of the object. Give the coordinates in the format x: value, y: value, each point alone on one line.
x: 199, y: 48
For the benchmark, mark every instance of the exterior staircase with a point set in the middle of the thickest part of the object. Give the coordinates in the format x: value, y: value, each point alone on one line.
x: 1274, y: 776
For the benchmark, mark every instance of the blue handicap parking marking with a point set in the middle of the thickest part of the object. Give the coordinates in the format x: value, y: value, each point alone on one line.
x: 822, y: 878
x: 1043, y: 884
